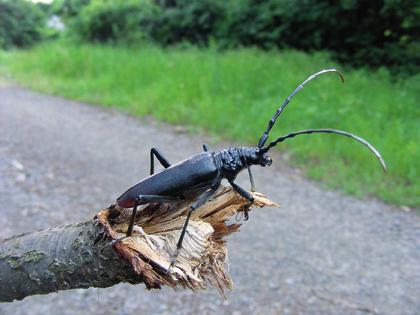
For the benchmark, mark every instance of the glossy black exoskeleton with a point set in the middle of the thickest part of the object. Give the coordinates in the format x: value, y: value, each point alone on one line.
x: 200, y: 176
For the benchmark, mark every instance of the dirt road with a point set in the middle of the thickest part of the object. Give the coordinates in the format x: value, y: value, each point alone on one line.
x: 320, y: 253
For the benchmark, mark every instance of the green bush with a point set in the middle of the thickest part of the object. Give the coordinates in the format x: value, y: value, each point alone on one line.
x: 112, y: 21
x: 68, y: 8
x: 376, y: 33
x: 164, y: 22
x: 194, y: 21
x: 21, y: 23
x: 356, y: 32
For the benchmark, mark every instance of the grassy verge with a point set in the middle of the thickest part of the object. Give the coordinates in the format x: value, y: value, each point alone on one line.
x: 234, y: 94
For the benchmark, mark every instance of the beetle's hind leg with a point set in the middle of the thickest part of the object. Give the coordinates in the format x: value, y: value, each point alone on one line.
x: 143, y: 199
x: 197, y: 204
x: 140, y: 200
x: 154, y: 152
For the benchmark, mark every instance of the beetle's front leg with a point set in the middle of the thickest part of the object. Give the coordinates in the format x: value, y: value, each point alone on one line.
x: 244, y: 194
x: 251, y: 178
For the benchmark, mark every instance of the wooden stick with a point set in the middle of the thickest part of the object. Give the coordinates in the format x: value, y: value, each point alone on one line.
x: 80, y: 255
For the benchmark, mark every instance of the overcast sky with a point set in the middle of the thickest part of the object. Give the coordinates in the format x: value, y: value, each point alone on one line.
x: 44, y: 1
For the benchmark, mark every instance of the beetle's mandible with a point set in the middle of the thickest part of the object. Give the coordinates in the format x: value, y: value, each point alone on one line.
x: 200, y: 176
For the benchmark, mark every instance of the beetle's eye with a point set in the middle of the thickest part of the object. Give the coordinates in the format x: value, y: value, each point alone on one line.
x: 267, y: 161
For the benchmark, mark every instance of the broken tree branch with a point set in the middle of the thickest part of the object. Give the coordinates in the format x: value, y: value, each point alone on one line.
x: 80, y: 255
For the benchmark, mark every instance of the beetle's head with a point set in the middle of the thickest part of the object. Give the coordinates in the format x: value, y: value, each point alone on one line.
x: 257, y: 156
x: 264, y: 159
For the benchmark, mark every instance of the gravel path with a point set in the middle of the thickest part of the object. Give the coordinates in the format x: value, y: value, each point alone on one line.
x: 320, y: 253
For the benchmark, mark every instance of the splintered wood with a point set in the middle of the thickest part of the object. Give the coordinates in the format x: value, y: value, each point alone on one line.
x: 203, y: 257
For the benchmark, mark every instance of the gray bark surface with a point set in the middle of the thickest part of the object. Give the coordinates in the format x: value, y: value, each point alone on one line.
x: 321, y: 252
x: 59, y: 258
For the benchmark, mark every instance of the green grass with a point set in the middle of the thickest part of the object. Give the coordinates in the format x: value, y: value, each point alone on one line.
x: 233, y: 94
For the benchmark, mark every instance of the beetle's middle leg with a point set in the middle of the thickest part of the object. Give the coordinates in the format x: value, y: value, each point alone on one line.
x: 156, y: 153
x: 197, y: 204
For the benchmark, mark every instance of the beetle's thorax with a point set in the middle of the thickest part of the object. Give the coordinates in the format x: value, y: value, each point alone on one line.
x: 233, y: 160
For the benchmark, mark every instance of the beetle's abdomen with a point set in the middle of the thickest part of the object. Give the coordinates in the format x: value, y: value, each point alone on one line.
x: 187, y: 177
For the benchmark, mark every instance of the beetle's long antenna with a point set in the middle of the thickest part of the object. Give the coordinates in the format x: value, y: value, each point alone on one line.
x: 340, y: 132
x: 272, y: 121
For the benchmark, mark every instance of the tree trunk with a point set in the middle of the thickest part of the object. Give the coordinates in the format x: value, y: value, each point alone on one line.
x: 81, y: 255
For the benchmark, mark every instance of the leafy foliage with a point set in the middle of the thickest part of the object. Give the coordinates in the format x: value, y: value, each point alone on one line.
x: 357, y: 32
x: 21, y: 23
x: 68, y: 8
x: 194, y: 21
x: 377, y: 33
x: 112, y: 21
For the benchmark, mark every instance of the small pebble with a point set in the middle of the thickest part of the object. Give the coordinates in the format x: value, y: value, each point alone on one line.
x: 21, y: 177
x: 17, y: 165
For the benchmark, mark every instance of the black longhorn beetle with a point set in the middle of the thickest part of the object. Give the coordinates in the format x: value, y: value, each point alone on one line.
x: 199, y: 176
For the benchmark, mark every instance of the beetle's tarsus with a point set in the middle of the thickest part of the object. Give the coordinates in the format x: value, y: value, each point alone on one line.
x: 113, y: 242
x: 174, y: 258
x: 119, y: 239
x: 246, y: 211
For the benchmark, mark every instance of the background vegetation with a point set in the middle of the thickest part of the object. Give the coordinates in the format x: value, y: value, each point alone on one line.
x: 21, y: 23
x: 234, y: 93
x: 358, y: 33
x: 225, y: 66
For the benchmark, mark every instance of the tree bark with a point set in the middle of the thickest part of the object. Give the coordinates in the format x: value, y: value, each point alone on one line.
x: 60, y: 258
x: 83, y: 255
